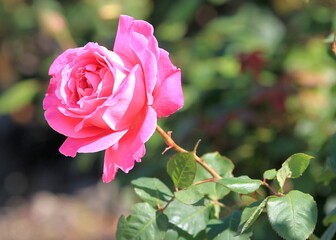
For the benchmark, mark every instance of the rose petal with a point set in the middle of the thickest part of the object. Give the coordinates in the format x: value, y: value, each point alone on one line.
x: 110, y: 169
x: 122, y: 41
x: 119, y: 102
x: 131, y: 147
x: 62, y: 60
x: 127, y: 102
x: 168, y: 95
x: 137, y: 103
x: 130, y: 33
x: 148, y: 126
x: 148, y: 64
x: 50, y: 100
x: 136, y: 42
x: 67, y: 125
x: 93, y: 78
x: 92, y: 144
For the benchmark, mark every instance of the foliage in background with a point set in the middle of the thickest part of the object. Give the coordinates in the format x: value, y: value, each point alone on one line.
x: 259, y: 84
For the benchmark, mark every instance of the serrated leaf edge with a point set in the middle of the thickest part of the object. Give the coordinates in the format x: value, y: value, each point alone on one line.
x: 179, y: 177
x: 269, y: 218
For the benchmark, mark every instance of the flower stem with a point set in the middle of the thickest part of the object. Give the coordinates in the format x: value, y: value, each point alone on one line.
x: 207, y: 167
x: 169, y: 141
x: 171, y: 144
x: 161, y: 209
x: 205, y: 181
x: 264, y: 183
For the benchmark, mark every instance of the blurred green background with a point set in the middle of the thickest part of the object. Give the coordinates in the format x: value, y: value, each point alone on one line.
x: 259, y: 82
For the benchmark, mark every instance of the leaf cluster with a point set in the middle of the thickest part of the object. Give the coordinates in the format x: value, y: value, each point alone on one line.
x: 202, y: 207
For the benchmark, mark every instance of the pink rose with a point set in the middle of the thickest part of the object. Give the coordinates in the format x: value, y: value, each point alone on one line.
x: 111, y: 100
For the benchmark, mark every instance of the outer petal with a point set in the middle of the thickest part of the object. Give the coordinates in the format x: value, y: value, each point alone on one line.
x: 149, y: 67
x: 168, y: 95
x: 50, y: 99
x: 110, y: 168
x: 63, y: 59
x: 136, y: 43
x: 148, y: 127
x: 68, y: 125
x: 92, y: 144
x: 135, y: 33
x: 130, y: 147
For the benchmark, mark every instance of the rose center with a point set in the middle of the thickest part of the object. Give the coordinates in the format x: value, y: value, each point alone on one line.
x: 84, y: 87
x: 84, y: 83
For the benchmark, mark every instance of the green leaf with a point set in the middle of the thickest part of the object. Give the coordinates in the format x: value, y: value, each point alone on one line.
x: 122, y: 227
x: 143, y: 223
x: 330, y: 233
x: 189, y: 218
x: 226, y: 228
x: 292, y: 216
x: 293, y: 167
x: 182, y: 169
x: 250, y: 215
x: 282, y: 174
x: 298, y: 163
x: 313, y: 237
x: 270, y: 174
x: 242, y: 185
x: 171, y: 235
x: 152, y: 191
x: 220, y: 192
x: 213, y: 190
x: 19, y: 95
x: 189, y: 196
x: 221, y: 164
x: 176, y: 233
x: 330, y: 218
x: 223, y: 167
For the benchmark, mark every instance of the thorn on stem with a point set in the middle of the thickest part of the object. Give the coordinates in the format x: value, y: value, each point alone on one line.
x: 166, y: 149
x: 196, y: 146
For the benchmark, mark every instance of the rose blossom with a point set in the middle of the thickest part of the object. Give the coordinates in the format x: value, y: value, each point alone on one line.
x: 111, y: 100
